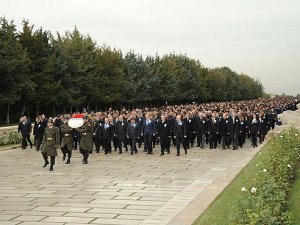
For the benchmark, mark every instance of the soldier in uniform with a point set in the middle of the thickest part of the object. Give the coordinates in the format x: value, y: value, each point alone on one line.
x: 66, y: 140
x: 86, y: 140
x: 50, y: 144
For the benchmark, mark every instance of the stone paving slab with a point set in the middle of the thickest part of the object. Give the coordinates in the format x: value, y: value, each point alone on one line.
x: 117, y: 189
x: 114, y: 189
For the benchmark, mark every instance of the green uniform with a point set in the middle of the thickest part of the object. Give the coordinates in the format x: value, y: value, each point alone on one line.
x: 67, y: 138
x: 86, y: 139
x: 51, y: 141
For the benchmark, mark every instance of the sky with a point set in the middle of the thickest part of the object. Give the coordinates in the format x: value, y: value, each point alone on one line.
x: 260, y: 38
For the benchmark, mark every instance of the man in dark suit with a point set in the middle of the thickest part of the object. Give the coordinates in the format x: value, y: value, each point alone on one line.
x: 106, y: 133
x: 139, y: 121
x: 164, y: 134
x: 223, y: 131
x: 201, y: 128
x: 133, y: 134
x: 25, y: 129
x: 120, y: 132
x: 39, y: 132
x: 148, y: 131
x: 213, y: 130
x: 180, y: 134
x: 190, y: 130
x: 234, y: 128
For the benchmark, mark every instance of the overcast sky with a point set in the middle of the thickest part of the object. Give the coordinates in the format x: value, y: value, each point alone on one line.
x: 258, y: 37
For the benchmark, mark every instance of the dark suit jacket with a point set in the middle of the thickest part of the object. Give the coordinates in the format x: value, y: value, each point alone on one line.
x: 163, y: 129
x: 190, y: 126
x: 25, y: 128
x: 180, y: 130
x: 223, y: 127
x: 148, y: 129
x: 201, y: 125
x: 233, y: 128
x: 106, y: 133
x: 213, y: 127
x: 133, y: 131
x: 121, y: 129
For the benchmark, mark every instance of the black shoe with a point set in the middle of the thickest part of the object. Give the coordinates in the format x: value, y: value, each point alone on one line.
x: 68, y: 161
x: 120, y: 152
x: 136, y: 151
x: 51, y: 168
x: 126, y: 150
x: 161, y: 154
x: 30, y: 145
x: 85, y: 162
x: 91, y: 152
x: 97, y: 151
x: 131, y: 153
x: 64, y: 157
x: 178, y: 154
x: 185, y: 151
x: 46, y: 163
x: 168, y: 151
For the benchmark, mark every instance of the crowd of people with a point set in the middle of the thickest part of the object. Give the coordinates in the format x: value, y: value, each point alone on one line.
x: 227, y: 124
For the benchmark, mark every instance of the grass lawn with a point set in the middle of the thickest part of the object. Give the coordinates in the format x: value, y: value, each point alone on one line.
x: 218, y: 212
x: 294, y: 201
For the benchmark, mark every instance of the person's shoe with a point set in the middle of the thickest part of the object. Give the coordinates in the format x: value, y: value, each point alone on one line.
x: 136, y: 151
x: 168, y: 151
x: 51, y: 168
x: 120, y: 152
x: 131, y: 153
x: 30, y: 145
x: 185, y: 151
x: 64, y: 157
x: 161, y: 154
x: 46, y: 163
x: 68, y: 161
x: 178, y: 154
x: 85, y: 162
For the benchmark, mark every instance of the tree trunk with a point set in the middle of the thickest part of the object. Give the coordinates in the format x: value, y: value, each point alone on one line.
x: 23, y: 109
x: 53, y: 110
x: 37, y: 109
x: 7, y: 115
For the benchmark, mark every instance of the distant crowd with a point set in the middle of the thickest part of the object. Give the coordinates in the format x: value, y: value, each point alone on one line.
x: 227, y: 124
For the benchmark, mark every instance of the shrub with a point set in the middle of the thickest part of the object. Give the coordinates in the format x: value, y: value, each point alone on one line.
x: 265, y: 196
x: 12, y: 137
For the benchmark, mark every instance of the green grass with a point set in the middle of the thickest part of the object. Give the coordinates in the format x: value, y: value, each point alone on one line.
x: 218, y: 212
x: 294, y: 200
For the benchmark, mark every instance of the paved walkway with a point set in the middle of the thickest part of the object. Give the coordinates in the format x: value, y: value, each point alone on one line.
x: 115, y: 189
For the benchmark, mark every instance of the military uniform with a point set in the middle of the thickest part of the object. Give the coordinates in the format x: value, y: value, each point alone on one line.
x: 86, y: 140
x: 50, y: 144
x: 66, y: 141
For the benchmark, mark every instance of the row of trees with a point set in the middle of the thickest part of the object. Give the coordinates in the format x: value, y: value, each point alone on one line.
x: 62, y: 73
